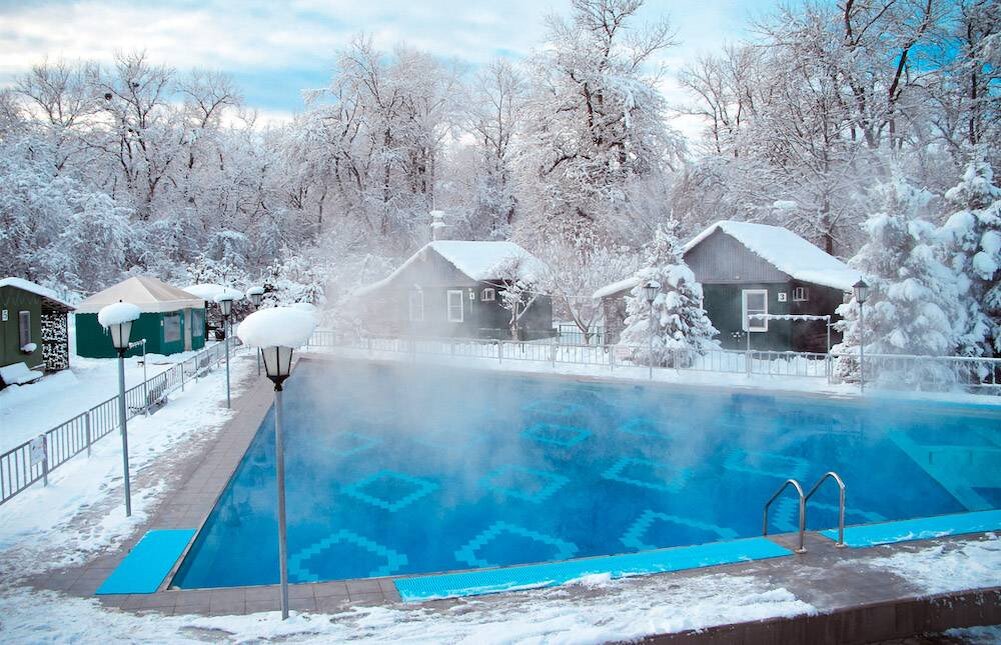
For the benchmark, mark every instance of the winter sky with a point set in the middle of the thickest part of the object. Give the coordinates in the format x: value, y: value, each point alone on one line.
x: 275, y: 49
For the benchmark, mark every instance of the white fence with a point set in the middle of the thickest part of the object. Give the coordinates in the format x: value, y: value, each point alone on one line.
x: 924, y: 372
x: 18, y: 470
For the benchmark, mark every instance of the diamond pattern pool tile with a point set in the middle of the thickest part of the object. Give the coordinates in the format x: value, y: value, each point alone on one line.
x: 524, y: 483
x: 633, y: 538
x: 556, y: 434
x: 301, y: 573
x: 643, y: 472
x: 366, y: 490
x: 468, y: 553
x: 769, y: 464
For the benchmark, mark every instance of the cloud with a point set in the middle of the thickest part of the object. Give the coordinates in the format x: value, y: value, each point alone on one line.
x: 274, y: 49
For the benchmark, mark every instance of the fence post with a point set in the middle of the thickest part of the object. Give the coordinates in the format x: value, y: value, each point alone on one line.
x: 552, y: 351
x: 500, y: 351
x: 86, y: 425
x: 611, y: 357
x: 45, y: 460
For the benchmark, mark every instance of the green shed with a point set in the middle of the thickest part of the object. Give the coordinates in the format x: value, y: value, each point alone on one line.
x: 32, y: 326
x: 172, y: 320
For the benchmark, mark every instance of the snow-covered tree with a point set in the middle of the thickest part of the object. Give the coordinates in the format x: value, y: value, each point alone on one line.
x: 517, y: 288
x: 972, y: 241
x: 682, y: 330
x: 572, y: 275
x: 594, y: 121
x: 913, y: 297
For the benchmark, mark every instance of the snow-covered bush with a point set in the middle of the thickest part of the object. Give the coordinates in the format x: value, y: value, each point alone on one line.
x: 682, y: 330
x: 913, y: 297
x: 972, y: 244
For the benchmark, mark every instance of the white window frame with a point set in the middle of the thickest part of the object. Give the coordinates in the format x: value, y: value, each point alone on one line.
x: 24, y: 328
x: 759, y: 324
x: 458, y: 294
x: 796, y: 297
x: 415, y: 297
x: 488, y: 295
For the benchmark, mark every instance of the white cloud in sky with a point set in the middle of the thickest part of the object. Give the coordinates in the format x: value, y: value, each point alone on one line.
x: 275, y: 49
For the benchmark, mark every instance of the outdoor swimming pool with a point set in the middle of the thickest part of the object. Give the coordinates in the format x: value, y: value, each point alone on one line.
x: 401, y: 469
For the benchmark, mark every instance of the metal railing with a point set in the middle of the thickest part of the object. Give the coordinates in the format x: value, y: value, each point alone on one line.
x: 802, y: 511
x: 19, y: 470
x: 941, y: 372
x: 841, y: 502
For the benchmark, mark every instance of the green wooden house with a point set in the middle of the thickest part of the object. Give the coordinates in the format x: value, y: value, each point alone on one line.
x: 33, y: 326
x: 760, y: 283
x: 172, y: 320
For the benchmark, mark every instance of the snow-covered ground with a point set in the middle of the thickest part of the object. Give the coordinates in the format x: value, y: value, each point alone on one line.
x: 29, y: 410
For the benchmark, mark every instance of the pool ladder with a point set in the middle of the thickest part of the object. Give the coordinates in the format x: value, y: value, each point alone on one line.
x: 803, y: 499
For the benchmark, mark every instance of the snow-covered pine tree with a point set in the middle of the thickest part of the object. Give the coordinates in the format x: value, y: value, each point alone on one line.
x: 972, y: 244
x: 912, y: 306
x: 682, y: 330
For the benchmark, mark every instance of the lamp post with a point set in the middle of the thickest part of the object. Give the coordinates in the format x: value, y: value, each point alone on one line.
x: 255, y: 295
x: 278, y: 366
x: 861, y: 291
x: 225, y: 302
x: 650, y: 291
x: 118, y: 318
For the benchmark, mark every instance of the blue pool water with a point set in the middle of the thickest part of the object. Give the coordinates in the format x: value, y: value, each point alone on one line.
x: 402, y: 469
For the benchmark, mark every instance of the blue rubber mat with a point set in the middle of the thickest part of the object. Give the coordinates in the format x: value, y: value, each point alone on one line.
x: 149, y: 562
x: 474, y: 583
x: 924, y: 528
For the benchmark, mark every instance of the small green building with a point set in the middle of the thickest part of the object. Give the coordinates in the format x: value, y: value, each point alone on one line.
x: 33, y: 327
x: 172, y: 320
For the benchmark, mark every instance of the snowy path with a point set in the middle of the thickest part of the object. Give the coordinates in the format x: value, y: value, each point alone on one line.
x: 29, y: 410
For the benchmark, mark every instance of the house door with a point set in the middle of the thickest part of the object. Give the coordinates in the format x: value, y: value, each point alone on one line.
x: 187, y: 330
x: 755, y: 307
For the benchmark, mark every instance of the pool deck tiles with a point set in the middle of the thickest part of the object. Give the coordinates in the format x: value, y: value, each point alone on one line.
x: 831, y: 579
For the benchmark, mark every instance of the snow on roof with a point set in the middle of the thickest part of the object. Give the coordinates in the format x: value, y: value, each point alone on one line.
x: 778, y: 246
x: 616, y: 287
x: 118, y: 313
x: 37, y: 289
x: 478, y: 260
x: 149, y: 294
x: 205, y: 291
x: 786, y: 251
x: 277, y: 327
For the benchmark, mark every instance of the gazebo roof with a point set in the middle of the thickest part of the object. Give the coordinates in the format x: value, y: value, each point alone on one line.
x: 147, y: 293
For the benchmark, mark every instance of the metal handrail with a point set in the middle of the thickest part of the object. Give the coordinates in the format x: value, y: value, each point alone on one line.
x: 841, y: 501
x: 802, y: 511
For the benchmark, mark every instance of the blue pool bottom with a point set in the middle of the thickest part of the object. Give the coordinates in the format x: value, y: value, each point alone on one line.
x: 473, y: 583
x: 924, y: 528
x: 145, y: 567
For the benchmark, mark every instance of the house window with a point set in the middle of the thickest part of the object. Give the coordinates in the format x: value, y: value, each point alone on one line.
x: 454, y: 305
x: 171, y: 328
x: 800, y: 294
x: 488, y: 295
x: 197, y: 322
x: 416, y: 306
x: 24, y: 327
x: 754, y: 301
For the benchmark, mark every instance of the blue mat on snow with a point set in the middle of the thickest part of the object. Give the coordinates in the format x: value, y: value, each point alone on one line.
x: 924, y: 528
x: 484, y: 581
x: 149, y: 562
